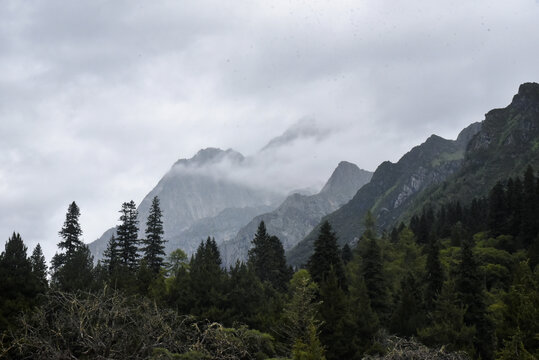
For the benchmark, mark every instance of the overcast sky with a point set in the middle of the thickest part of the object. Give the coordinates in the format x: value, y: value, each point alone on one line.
x: 99, y: 98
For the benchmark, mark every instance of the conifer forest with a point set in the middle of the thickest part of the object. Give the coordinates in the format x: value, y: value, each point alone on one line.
x: 458, y: 281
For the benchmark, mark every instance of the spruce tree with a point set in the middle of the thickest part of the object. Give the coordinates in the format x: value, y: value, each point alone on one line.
x: 497, y: 214
x: 408, y: 315
x: 111, y: 255
x: 39, y: 267
x: 77, y: 273
x: 127, y: 233
x: 268, y: 260
x: 333, y: 312
x: 326, y: 256
x: 434, y: 276
x: 529, y: 208
x: 372, y: 269
x: 18, y: 286
x: 346, y: 254
x: 154, y: 248
x: 207, y: 281
x: 470, y: 286
x: 71, y: 231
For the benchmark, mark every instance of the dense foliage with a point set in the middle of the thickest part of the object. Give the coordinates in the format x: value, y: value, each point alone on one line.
x: 459, y: 281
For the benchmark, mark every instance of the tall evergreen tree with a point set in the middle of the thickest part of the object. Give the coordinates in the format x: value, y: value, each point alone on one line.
x: 268, y: 260
x: 18, y: 285
x: 39, y: 267
x: 497, y: 214
x: 372, y: 269
x: 434, y: 276
x: 127, y: 233
x: 470, y: 286
x: 154, y: 248
x: 71, y: 231
x: 77, y: 272
x: 207, y: 281
x: 333, y: 312
x: 326, y: 256
x: 408, y: 315
x: 111, y: 255
x: 529, y: 222
x: 346, y: 253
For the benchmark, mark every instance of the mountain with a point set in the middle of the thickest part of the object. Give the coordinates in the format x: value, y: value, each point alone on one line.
x: 504, y: 147
x: 439, y: 170
x: 392, y: 188
x: 298, y: 214
x: 197, y: 197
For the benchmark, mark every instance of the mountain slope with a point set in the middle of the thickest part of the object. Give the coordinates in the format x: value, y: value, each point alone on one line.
x: 392, y: 188
x: 298, y: 214
x: 503, y: 145
x: 507, y: 143
x: 195, y: 189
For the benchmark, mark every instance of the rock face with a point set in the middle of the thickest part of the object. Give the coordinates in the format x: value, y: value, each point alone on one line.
x: 298, y: 214
x: 439, y: 170
x: 391, y: 189
x: 198, y: 200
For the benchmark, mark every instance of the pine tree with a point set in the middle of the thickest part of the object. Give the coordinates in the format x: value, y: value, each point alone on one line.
x: 363, y: 321
x: 372, y: 270
x: 207, y: 281
x: 434, y: 274
x: 446, y: 322
x: 111, y: 255
x: 18, y: 286
x: 497, y: 215
x: 76, y: 273
x: 529, y: 208
x: 154, y: 249
x: 39, y: 267
x: 408, y: 314
x: 127, y: 233
x: 71, y: 231
x: 470, y: 286
x: 346, y: 254
x: 333, y: 313
x: 268, y: 260
x: 326, y: 256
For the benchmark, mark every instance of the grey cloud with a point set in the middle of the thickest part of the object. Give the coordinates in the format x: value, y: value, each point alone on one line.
x: 98, y: 99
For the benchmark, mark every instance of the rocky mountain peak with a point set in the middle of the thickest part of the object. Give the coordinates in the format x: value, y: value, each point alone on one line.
x: 527, y: 92
x: 211, y: 155
x: 346, y: 179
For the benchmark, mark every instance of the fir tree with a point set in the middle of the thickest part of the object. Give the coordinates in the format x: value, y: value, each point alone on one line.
x: 39, y: 267
x: 372, y: 269
x: 207, y: 281
x: 346, y: 254
x: 71, y: 231
x: 19, y: 286
x: 111, y: 255
x: 154, y: 249
x: 497, y: 215
x: 268, y: 260
x: 408, y: 314
x: 326, y: 256
x: 470, y: 287
x: 127, y: 233
x: 76, y: 273
x: 434, y: 274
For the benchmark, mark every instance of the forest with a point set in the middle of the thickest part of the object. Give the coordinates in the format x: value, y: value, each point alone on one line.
x: 458, y: 281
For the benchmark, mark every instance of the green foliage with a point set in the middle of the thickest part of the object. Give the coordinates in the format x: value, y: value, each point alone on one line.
x: 326, y: 256
x: 268, y: 260
x: 19, y: 285
x: 71, y: 231
x: 76, y: 273
x: 127, y: 239
x: 154, y: 248
x: 39, y: 268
